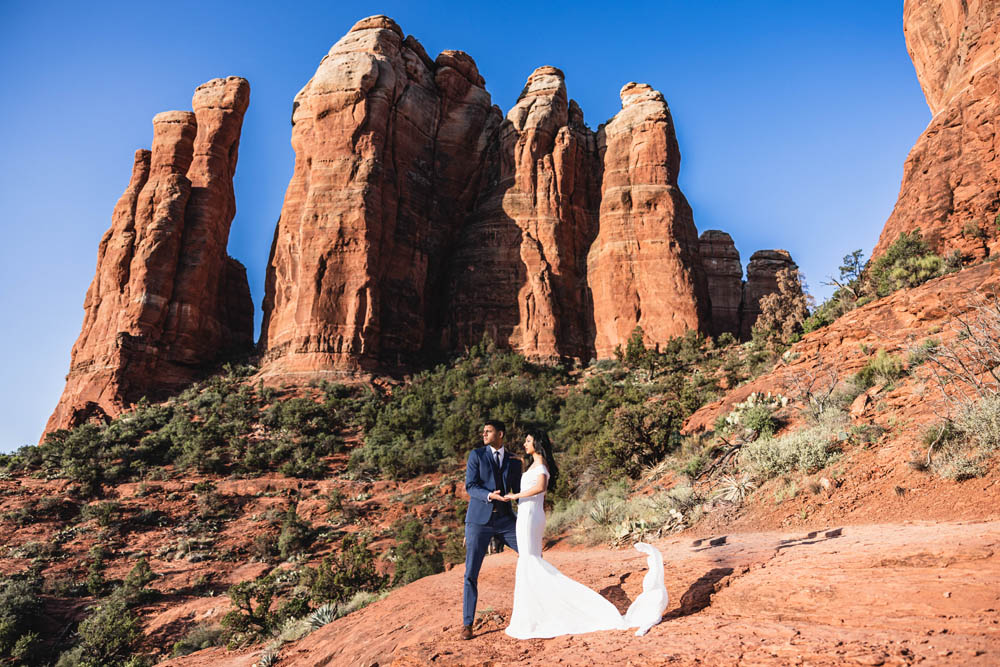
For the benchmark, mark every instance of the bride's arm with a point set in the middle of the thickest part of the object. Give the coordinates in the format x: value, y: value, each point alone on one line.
x: 535, y: 489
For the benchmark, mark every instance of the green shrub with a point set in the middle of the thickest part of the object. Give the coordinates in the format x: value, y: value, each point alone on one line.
x: 108, y: 637
x: 252, y: 615
x: 806, y: 450
x: 339, y: 579
x: 296, y: 535
x: 21, y: 620
x: 96, y: 583
x: 416, y: 555
x: 882, y: 368
x: 639, y: 436
x: 907, y: 262
x: 754, y: 417
x: 199, y: 637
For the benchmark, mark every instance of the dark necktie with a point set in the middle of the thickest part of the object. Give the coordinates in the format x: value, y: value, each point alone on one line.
x: 499, y: 475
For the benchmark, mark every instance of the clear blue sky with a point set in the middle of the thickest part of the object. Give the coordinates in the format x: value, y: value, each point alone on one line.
x: 794, y: 119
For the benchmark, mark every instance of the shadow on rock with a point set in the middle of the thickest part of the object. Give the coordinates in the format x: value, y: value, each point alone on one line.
x: 811, y: 538
x: 699, y: 595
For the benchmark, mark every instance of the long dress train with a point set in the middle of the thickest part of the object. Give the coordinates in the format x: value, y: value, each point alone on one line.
x: 547, y: 603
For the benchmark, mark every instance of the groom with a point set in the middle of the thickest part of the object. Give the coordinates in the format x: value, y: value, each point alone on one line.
x: 490, y: 473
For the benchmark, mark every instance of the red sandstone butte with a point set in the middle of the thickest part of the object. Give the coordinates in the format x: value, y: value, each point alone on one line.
x: 418, y: 218
x: 644, y: 268
x: 387, y: 145
x: 951, y: 179
x: 519, y: 269
x: 166, y: 301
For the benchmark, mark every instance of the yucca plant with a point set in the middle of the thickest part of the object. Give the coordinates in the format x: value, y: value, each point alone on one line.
x: 736, y: 489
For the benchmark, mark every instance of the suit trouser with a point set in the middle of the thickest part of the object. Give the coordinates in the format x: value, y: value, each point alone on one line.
x: 477, y: 540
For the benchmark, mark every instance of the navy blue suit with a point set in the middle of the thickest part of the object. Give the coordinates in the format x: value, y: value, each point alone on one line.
x: 486, y: 518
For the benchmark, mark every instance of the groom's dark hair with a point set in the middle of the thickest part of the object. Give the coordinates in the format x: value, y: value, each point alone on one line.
x: 497, y: 424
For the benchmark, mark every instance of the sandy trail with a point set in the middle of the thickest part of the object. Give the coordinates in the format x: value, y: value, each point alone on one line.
x: 889, y: 594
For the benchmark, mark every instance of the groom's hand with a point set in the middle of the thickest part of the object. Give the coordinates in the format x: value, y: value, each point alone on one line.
x: 496, y: 495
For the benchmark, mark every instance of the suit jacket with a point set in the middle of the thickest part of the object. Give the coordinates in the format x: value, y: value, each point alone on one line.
x: 480, y: 483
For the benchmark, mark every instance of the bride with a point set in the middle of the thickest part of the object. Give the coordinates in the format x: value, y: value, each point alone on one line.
x: 547, y: 603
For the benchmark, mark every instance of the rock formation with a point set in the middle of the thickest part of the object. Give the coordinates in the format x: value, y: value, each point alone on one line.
x: 951, y: 179
x: 762, y: 280
x: 644, y: 268
x: 519, y: 270
x: 724, y: 275
x: 418, y: 218
x: 387, y: 146
x: 166, y: 300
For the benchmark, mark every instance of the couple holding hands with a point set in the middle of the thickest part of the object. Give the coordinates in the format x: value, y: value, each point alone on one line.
x: 546, y: 602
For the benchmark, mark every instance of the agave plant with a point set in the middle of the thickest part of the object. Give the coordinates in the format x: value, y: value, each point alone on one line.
x: 322, y: 615
x: 268, y: 658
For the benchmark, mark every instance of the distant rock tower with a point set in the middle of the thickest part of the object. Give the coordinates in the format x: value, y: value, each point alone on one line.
x: 166, y: 301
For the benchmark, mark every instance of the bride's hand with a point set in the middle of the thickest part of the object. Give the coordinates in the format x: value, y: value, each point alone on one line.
x: 510, y: 496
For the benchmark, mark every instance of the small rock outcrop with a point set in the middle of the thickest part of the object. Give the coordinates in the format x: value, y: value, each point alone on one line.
x: 724, y: 274
x: 951, y: 179
x: 761, y: 280
x: 166, y: 301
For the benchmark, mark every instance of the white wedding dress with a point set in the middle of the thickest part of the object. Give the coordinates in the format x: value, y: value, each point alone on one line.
x: 547, y: 603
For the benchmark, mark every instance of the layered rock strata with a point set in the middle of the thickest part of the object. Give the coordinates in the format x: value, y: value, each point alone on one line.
x: 951, y: 179
x: 418, y: 218
x: 166, y: 301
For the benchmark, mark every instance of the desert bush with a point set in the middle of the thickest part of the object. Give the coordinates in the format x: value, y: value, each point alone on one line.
x: 338, y: 579
x: 416, y: 554
x: 805, y: 450
x: 296, y: 534
x: 882, y: 368
x: 907, y: 262
x: 108, y: 637
x: 638, y: 436
x: 199, y: 637
x: 252, y: 615
x: 21, y: 620
x: 96, y: 583
x: 754, y: 417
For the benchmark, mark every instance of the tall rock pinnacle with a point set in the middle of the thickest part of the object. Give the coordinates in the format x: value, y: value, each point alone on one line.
x: 387, y: 146
x: 644, y: 268
x: 166, y: 300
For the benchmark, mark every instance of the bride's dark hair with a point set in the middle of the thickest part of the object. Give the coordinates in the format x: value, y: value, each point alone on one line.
x: 544, y: 447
